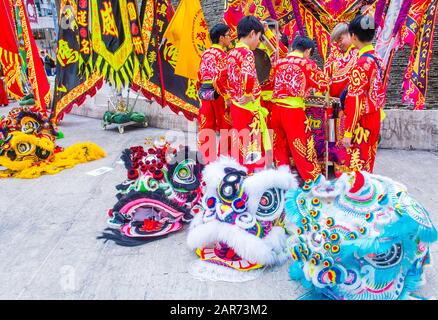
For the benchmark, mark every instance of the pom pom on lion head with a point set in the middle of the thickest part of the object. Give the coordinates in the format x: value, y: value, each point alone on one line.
x: 242, y: 223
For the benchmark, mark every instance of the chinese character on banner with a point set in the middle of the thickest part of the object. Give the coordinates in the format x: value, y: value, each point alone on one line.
x: 108, y: 21
x: 31, y: 11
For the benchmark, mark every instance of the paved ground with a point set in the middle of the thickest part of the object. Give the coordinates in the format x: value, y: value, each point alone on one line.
x: 50, y: 225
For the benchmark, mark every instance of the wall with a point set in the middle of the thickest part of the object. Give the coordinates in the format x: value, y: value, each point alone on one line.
x: 407, y: 129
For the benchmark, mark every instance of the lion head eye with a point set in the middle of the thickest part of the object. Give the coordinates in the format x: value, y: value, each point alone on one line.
x: 270, y: 204
x: 24, y: 147
x: 184, y: 174
x: 230, y: 187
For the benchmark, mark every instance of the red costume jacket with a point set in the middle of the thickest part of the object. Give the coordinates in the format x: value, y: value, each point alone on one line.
x: 211, y: 61
x: 239, y: 76
x: 295, y: 76
x: 338, y: 68
x: 366, y: 93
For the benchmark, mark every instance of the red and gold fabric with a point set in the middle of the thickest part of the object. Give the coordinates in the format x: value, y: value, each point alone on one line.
x: 36, y: 73
x: 213, y: 114
x: 363, y: 104
x: 419, y: 32
x: 3, y: 94
x: 267, y: 88
x: 320, y: 17
x: 237, y: 9
x: 250, y: 135
x: 188, y: 31
x: 362, y: 154
x: 295, y: 76
x: 338, y: 68
x: 365, y: 90
x: 249, y: 130
x: 241, y: 74
x: 211, y: 61
x: 293, y: 138
x: 163, y: 85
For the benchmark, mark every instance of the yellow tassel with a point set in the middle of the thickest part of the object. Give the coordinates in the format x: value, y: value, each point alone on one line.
x: 71, y: 156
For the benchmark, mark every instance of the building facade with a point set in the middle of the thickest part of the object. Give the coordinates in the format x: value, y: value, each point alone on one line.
x: 44, y: 29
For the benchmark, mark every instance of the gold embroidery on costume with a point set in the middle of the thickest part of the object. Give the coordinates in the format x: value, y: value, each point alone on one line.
x: 356, y: 163
x: 361, y: 134
x: 301, y: 149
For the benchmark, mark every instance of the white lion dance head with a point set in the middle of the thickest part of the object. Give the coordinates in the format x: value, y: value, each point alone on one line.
x: 242, y: 225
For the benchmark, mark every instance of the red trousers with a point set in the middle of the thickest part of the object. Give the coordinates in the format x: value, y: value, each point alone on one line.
x: 362, y: 154
x: 3, y: 94
x: 247, y: 146
x: 292, y: 137
x: 213, y: 116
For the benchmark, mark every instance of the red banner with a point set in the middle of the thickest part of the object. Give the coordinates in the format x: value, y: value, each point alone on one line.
x: 36, y: 73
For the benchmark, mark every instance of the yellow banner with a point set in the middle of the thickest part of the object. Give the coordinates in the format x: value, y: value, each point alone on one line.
x: 188, y: 31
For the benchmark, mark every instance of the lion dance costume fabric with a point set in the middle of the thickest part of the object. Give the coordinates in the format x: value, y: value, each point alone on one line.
x: 28, y: 149
x: 242, y: 223
x: 162, y: 191
x: 358, y: 237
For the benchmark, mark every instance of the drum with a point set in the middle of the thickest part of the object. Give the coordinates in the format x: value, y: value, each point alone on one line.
x: 263, y: 65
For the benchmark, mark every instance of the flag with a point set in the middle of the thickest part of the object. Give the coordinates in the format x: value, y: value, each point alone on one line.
x: 168, y: 89
x: 36, y: 73
x: 188, y: 31
x: 388, y: 35
x: 9, y: 57
x: 415, y: 80
x: 71, y: 86
x: 321, y: 16
x: 118, y: 50
x: 281, y: 11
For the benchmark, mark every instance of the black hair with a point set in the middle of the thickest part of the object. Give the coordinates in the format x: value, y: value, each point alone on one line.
x: 363, y: 27
x: 284, y: 40
x: 302, y: 43
x: 248, y: 24
x: 217, y: 31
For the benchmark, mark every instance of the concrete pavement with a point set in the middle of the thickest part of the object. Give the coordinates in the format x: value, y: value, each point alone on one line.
x: 50, y: 227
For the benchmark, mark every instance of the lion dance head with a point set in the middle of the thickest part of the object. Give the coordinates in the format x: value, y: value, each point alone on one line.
x: 162, y: 191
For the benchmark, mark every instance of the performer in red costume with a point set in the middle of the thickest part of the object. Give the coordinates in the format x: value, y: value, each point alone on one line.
x: 343, y: 57
x: 239, y: 81
x: 268, y: 86
x: 213, y: 114
x: 295, y: 76
x: 364, y: 99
